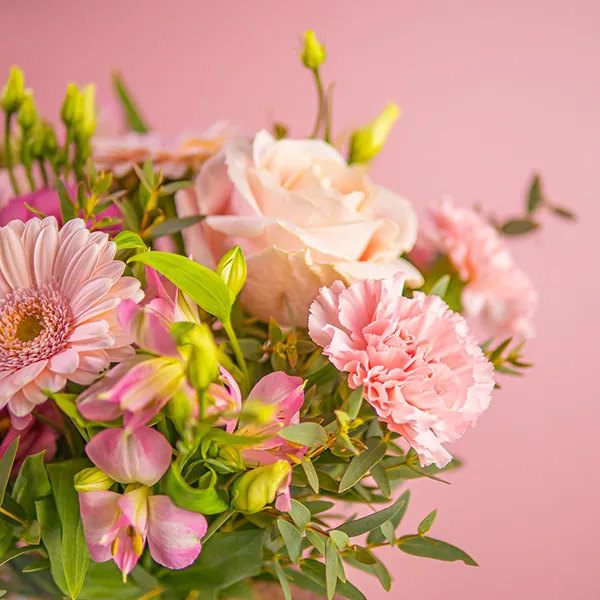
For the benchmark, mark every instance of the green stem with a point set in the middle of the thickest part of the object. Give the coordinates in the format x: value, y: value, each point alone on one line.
x: 328, y: 111
x: 26, y: 159
x: 67, y: 152
x: 321, y: 111
x: 44, y: 172
x: 8, y: 155
x: 217, y: 523
x: 237, y: 350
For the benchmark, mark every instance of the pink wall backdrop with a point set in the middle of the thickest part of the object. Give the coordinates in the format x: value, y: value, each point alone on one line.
x: 489, y: 92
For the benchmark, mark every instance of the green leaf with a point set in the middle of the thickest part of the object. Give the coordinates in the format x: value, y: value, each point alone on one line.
x: 353, y: 403
x: 426, y: 524
x: 132, y: 113
x: 205, y: 498
x: 16, y: 552
x: 331, y: 568
x: 370, y: 522
x: 32, y: 483
x: 534, y: 198
x: 497, y: 353
x: 360, y: 465
x: 381, y: 479
x: 67, y: 207
x: 430, y: 548
x: 225, y: 559
x: 322, y: 376
x: 564, y: 213
x: 389, y: 532
x: 307, y: 434
x: 283, y: 580
x: 340, y: 539
x: 440, y: 287
x: 47, y: 516
x: 376, y: 568
x: 129, y: 239
x: 519, y: 227
x: 202, y: 285
x: 74, y: 551
x: 104, y: 580
x: 376, y: 536
x: 171, y: 226
x: 300, y: 514
x: 317, y: 539
x: 6, y: 465
x: 171, y: 188
x: 315, y: 570
x: 318, y: 506
x: 292, y: 538
x: 36, y: 212
x: 35, y: 566
x: 311, y: 474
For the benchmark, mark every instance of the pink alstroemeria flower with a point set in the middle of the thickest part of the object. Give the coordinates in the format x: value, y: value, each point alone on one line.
x: 286, y: 394
x: 117, y: 526
x: 140, y: 455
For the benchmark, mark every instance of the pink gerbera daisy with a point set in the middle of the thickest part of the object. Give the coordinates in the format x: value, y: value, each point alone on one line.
x: 59, y: 291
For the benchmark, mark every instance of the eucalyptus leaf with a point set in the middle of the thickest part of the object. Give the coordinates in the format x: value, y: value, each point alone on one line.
x: 307, y: 434
x: 360, y: 465
x: 300, y: 514
x: 283, y: 580
x: 519, y: 226
x: 370, y: 522
x: 201, y: 284
x: 534, y: 198
x: 292, y: 538
x: 353, y: 403
x: 318, y: 506
x: 426, y: 524
x: 427, y: 547
x: 331, y: 568
x: 379, y: 474
x: 311, y: 474
x: 315, y: 570
x: 377, y: 536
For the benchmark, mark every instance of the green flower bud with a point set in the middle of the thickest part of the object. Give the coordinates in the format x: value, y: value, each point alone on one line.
x: 50, y: 142
x: 92, y: 480
x: 180, y: 411
x: 230, y: 456
x: 313, y: 54
x: 257, y: 488
x: 13, y: 91
x: 368, y: 141
x: 72, y: 107
x: 232, y: 269
x: 27, y: 114
x: 197, y: 346
x: 87, y: 125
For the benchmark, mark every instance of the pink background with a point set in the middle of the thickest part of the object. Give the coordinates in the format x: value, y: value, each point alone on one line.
x: 490, y: 91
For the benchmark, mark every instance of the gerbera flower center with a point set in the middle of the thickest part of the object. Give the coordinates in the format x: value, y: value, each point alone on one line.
x: 34, y: 325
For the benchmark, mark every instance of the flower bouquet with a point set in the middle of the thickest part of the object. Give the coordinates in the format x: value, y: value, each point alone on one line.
x: 211, y: 346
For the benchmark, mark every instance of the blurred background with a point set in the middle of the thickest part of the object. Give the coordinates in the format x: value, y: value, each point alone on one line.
x: 490, y: 93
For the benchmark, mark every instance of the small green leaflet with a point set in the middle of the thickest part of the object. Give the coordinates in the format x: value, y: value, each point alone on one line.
x: 377, y: 535
x: 360, y: 465
x: 535, y: 197
x: 353, y: 403
x: 331, y: 568
x: 307, y: 434
x: 129, y: 239
x: 300, y: 514
x: 379, y: 474
x: 366, y: 524
x: 311, y: 474
x: 283, y: 580
x: 519, y: 227
x: 202, y: 285
x: 427, y: 547
x: 427, y: 522
x: 292, y: 538
x: 440, y: 287
x: 32, y: 483
x: 315, y: 570
x: 171, y: 226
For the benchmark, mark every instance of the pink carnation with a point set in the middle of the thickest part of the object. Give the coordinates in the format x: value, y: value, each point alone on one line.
x: 422, y: 371
x: 496, y: 290
x: 59, y: 292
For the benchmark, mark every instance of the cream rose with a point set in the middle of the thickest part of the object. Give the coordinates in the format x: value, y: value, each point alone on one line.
x: 303, y: 217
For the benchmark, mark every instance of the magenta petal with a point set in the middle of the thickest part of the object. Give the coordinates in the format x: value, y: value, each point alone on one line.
x: 126, y: 557
x: 139, y: 456
x: 100, y: 516
x: 174, y: 534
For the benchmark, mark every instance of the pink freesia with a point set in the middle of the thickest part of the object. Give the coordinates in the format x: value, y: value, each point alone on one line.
x: 59, y: 291
x: 174, y: 157
x: 286, y: 394
x: 140, y: 455
x: 117, y: 526
x: 36, y: 436
x: 422, y: 371
x: 303, y: 218
x: 496, y: 290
